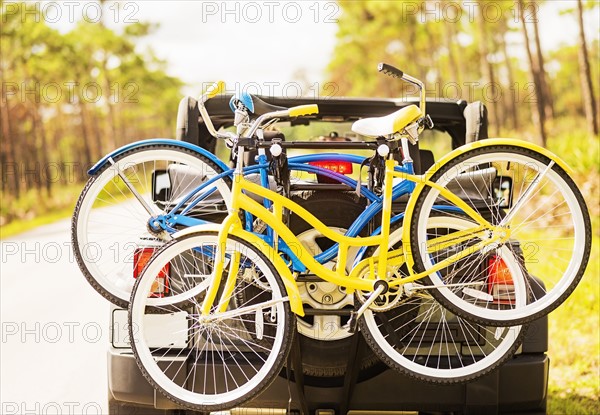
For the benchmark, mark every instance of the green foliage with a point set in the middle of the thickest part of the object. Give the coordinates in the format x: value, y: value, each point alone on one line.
x: 580, y: 151
x: 69, y: 98
x: 446, y: 50
x: 565, y: 80
x: 31, y: 211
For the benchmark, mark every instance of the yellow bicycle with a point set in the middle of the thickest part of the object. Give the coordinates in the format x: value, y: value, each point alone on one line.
x: 224, y: 331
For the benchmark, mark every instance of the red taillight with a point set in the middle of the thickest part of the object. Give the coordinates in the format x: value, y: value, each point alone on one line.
x: 141, y: 257
x: 500, y: 281
x: 342, y: 167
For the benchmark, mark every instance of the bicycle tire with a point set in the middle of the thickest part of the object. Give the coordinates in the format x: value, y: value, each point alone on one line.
x: 552, y: 220
x: 421, y: 339
x: 194, y: 344
x: 110, y: 222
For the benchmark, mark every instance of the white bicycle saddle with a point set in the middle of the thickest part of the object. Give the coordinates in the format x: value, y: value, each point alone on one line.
x: 388, y: 124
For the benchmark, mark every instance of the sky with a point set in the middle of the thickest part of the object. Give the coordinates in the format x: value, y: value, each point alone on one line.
x: 272, y: 44
x: 243, y: 42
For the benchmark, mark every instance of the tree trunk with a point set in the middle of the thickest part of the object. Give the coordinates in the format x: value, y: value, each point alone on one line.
x: 548, y: 99
x: 45, y: 169
x: 33, y: 153
x: 491, y: 87
x: 589, y: 101
x: 5, y: 161
x: 538, y: 106
x: 450, y: 40
x: 9, y: 141
x: 433, y: 63
x: 85, y: 136
x: 58, y: 134
x: 413, y: 55
x: 42, y: 148
x: 514, y: 114
x: 97, y: 133
x: 111, y: 121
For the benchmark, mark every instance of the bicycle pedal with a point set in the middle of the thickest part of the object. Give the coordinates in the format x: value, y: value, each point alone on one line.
x: 353, y: 322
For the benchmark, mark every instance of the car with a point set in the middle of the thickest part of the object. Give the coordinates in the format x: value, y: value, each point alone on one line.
x: 339, y: 372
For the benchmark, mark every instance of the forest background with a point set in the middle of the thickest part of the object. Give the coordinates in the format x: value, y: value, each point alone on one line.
x: 71, y: 96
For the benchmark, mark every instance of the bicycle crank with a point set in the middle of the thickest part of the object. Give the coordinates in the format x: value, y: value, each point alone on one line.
x: 381, y: 287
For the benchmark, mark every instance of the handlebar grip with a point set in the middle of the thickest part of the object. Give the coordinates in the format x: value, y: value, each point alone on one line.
x: 390, y: 70
x: 302, y: 110
x: 214, y: 89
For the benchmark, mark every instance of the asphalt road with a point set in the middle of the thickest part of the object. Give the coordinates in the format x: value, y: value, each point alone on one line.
x: 54, y: 328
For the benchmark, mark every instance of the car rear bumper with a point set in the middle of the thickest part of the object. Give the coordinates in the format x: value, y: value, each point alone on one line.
x: 389, y: 390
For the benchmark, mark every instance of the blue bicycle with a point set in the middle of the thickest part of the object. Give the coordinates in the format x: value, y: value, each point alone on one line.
x: 139, y: 194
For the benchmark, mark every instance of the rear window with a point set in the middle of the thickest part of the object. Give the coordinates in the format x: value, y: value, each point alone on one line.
x: 439, y: 142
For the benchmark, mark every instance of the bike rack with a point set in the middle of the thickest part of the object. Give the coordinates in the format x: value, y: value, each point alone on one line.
x: 295, y: 361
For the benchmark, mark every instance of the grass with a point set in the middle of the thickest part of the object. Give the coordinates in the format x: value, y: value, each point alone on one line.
x: 574, y: 328
x: 35, y: 208
x: 574, y: 346
x: 20, y: 226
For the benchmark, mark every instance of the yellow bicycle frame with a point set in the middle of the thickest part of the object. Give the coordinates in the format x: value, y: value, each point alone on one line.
x: 378, y: 266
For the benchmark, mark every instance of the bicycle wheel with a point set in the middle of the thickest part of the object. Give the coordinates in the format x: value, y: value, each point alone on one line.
x: 412, y: 333
x: 532, y: 199
x: 110, y: 229
x: 224, y: 360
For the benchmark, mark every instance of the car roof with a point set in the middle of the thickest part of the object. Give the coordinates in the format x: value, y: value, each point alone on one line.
x: 447, y: 115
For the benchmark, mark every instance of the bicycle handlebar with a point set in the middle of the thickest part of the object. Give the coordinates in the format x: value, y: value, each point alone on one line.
x: 397, y: 73
x: 218, y: 87
x: 390, y: 70
x: 302, y: 110
x: 212, y: 91
x: 298, y: 111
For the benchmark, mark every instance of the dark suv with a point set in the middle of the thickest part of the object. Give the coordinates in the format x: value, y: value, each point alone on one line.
x: 339, y: 372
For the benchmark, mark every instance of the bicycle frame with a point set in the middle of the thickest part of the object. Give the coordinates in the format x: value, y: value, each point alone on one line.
x: 298, y: 163
x: 377, y: 267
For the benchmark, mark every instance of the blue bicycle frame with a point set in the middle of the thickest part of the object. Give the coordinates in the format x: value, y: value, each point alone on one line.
x: 298, y: 163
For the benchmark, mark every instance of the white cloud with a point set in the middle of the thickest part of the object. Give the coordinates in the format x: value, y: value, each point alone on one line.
x: 242, y: 42
x: 268, y: 42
